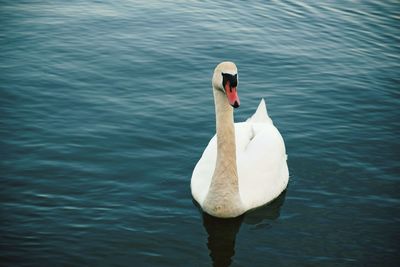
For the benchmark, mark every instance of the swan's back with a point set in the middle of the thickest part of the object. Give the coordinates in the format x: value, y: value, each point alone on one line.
x: 261, y: 162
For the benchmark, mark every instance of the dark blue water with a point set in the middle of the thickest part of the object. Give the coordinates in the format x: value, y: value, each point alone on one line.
x: 106, y: 106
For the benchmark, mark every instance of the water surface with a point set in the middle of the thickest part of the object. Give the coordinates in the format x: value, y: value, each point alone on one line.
x: 107, y: 106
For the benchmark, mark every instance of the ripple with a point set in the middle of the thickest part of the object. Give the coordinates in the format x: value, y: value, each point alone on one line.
x: 106, y: 107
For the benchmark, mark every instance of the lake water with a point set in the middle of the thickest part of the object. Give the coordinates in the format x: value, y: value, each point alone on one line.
x: 106, y: 106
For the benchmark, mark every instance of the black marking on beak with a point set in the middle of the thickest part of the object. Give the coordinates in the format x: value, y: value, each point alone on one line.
x: 231, y: 78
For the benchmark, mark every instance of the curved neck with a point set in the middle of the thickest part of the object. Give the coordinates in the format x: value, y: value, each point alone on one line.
x: 223, y: 199
x: 226, y: 145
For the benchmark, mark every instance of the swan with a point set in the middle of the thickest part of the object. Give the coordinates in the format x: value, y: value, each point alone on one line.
x: 244, y: 165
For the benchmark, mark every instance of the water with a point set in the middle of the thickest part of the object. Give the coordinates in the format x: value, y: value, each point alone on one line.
x: 107, y: 106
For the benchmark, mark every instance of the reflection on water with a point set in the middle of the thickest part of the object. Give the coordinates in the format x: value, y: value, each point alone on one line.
x: 222, y: 232
x: 221, y: 238
x: 270, y: 211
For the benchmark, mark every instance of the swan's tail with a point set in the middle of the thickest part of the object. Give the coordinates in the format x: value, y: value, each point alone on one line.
x: 261, y: 114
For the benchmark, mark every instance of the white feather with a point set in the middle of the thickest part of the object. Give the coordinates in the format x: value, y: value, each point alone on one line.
x: 261, y: 162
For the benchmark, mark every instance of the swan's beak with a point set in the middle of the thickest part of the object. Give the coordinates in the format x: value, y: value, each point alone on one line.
x: 231, y: 93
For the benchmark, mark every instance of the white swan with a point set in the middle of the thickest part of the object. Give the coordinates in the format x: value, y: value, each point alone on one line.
x: 244, y: 165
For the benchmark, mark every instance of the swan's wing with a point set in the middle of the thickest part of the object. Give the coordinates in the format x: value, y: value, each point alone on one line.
x: 262, y: 168
x: 261, y: 114
x: 204, y: 169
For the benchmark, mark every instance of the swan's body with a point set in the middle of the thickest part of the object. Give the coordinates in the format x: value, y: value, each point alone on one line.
x: 244, y: 165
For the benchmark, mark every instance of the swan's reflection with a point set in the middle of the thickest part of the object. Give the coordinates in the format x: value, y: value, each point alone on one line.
x: 221, y: 238
x: 222, y: 232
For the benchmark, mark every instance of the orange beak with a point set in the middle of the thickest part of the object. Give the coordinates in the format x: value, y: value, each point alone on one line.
x: 231, y: 93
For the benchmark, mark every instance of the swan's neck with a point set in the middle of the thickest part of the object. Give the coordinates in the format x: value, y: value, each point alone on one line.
x: 223, y: 199
x: 226, y: 145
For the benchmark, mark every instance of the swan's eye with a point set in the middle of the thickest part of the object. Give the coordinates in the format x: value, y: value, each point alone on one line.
x: 231, y: 78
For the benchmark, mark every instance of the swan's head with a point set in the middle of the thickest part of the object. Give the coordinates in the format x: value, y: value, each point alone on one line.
x: 226, y: 79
